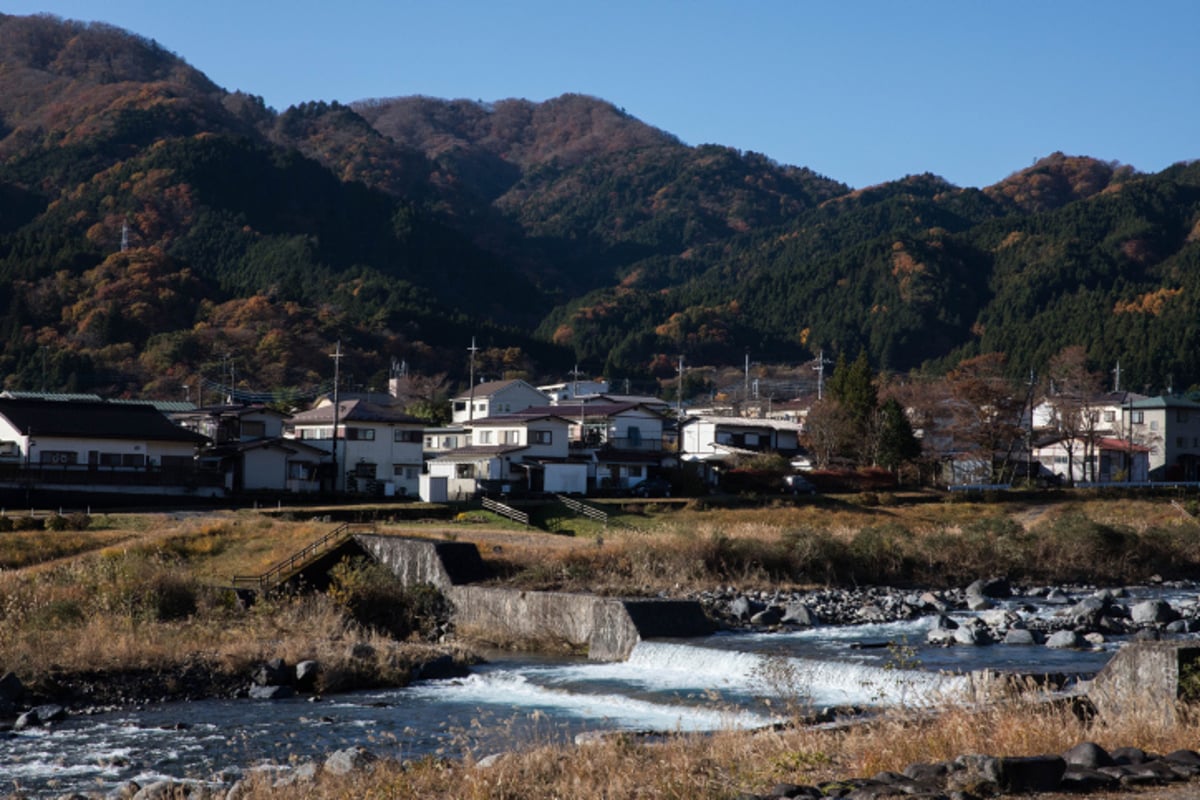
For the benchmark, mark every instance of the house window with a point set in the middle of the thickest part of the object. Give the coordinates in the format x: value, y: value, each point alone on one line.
x: 364, y: 469
x: 1139, y: 417
x: 254, y: 429
x: 300, y: 471
x: 1110, y: 416
x: 59, y: 457
x: 510, y: 437
x: 402, y: 436
x: 429, y: 445
x: 460, y: 405
x: 635, y: 471
x: 449, y: 442
x: 360, y: 434
x: 542, y: 437
x: 485, y: 437
x: 463, y: 471
x: 1153, y: 424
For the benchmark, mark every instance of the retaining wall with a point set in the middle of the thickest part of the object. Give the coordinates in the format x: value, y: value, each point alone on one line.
x: 608, y: 627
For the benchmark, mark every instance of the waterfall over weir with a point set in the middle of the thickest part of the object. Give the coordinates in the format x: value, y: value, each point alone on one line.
x: 816, y: 682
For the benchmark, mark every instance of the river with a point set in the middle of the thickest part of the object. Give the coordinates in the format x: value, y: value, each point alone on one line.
x: 722, y: 681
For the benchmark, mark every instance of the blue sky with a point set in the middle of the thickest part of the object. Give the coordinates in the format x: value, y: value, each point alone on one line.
x: 862, y: 92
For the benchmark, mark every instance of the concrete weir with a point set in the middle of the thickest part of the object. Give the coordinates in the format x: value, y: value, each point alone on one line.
x: 1148, y: 678
x: 608, y: 627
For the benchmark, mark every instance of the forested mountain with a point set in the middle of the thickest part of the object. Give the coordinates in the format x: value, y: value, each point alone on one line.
x: 156, y: 229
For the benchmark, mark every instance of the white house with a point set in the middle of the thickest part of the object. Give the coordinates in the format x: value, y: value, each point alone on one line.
x: 378, y: 449
x: 1108, y: 460
x: 622, y: 443
x: 514, y: 452
x: 494, y: 398
x: 718, y: 442
x: 99, y: 446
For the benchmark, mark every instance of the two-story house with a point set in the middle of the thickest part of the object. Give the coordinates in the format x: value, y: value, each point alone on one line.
x: 1170, y: 427
x: 621, y: 443
x: 97, y: 446
x: 494, y: 398
x: 512, y: 453
x: 377, y: 450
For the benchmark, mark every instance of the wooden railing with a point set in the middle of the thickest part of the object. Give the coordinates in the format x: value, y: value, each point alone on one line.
x: 505, y: 511
x: 294, y: 563
x: 582, y: 508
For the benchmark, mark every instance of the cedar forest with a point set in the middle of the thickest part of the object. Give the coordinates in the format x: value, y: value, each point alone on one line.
x: 157, y: 231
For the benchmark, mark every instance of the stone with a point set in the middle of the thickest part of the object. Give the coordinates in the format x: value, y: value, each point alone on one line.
x: 797, y: 613
x: 305, y: 773
x: 970, y: 635
x: 1085, y: 779
x: 792, y: 790
x: 306, y: 674
x: 11, y: 688
x: 271, y: 692
x: 1063, y: 640
x: 991, y: 587
x: 767, y: 617
x: 273, y: 673
x: 1151, y: 612
x: 1019, y: 636
x: 1123, y: 756
x: 1031, y: 773
x: 1089, y: 611
x: 977, y: 602
x: 740, y: 608
x: 1057, y: 597
x: 342, y: 762
x: 1088, y: 754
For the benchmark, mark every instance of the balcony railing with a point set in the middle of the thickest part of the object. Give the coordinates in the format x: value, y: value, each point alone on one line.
x: 640, y: 444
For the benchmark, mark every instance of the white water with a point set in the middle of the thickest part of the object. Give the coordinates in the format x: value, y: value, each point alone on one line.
x: 725, y: 681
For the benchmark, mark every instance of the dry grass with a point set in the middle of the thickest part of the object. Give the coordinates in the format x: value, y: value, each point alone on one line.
x: 725, y: 764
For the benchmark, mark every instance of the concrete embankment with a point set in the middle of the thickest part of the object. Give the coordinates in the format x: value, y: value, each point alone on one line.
x: 608, y: 627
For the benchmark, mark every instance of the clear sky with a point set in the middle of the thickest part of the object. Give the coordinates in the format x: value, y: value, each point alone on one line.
x: 862, y: 91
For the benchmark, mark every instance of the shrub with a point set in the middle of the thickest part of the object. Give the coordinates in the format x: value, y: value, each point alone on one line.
x: 56, y: 522
x: 374, y: 597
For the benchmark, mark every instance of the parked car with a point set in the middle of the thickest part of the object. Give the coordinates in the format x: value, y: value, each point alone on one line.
x: 798, y: 484
x: 652, y: 487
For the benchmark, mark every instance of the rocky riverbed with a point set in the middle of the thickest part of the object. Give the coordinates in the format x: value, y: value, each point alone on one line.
x: 995, y: 611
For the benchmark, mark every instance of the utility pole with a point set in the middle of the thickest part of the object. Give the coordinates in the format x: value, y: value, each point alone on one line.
x: 679, y: 391
x: 337, y: 364
x: 1117, y: 378
x: 820, y: 370
x: 746, y: 378
x: 471, y: 398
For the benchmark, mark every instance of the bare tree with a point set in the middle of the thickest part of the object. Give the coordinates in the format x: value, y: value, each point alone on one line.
x: 987, y: 407
x: 1072, y: 402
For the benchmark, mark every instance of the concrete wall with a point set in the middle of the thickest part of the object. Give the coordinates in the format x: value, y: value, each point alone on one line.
x: 608, y: 627
x: 1145, y: 678
x: 415, y: 561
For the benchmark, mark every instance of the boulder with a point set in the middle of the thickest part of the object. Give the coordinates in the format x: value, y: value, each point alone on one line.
x: 1064, y: 640
x: 442, y: 667
x: 990, y: 587
x: 273, y: 673
x: 1151, y: 612
x: 1030, y: 774
x: 977, y: 602
x: 1019, y: 636
x: 1057, y: 597
x: 1089, y: 611
x: 740, y: 608
x: 342, y: 762
x: 1083, y: 780
x: 306, y: 675
x: 933, y: 602
x: 1089, y: 755
x: 772, y: 615
x: 797, y: 613
x: 271, y: 692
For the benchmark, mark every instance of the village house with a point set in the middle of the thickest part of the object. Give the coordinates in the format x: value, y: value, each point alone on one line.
x: 493, y: 398
x: 1170, y: 427
x: 512, y: 453
x: 621, y: 443
x: 98, y: 446
x: 717, y: 443
x: 378, y: 449
x: 1104, y: 459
